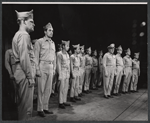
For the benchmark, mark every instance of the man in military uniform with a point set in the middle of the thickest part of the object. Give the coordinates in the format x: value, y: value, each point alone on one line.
x: 63, y: 66
x: 100, y: 64
x: 10, y: 66
x: 88, y: 68
x: 94, y: 70
x: 74, y: 67
x: 46, y: 60
x: 25, y: 64
x: 119, y: 70
x: 82, y: 70
x: 127, y: 71
x: 135, y: 72
x: 109, y: 64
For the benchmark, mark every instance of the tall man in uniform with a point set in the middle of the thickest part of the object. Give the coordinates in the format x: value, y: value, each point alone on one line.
x: 119, y: 70
x: 74, y: 69
x: 63, y: 66
x: 109, y: 64
x: 82, y: 70
x: 127, y: 71
x: 25, y: 64
x: 135, y: 72
x: 46, y: 60
x: 88, y: 68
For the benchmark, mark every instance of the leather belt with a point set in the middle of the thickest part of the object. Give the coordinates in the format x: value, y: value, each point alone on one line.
x: 48, y: 62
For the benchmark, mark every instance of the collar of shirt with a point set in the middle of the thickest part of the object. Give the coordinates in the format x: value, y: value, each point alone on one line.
x: 47, y: 39
x: 128, y: 56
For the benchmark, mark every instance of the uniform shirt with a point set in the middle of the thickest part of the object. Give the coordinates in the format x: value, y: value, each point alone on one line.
x: 88, y: 60
x: 63, y: 61
x: 127, y: 61
x: 135, y: 64
x: 44, y: 50
x: 100, y: 60
x: 10, y: 62
x: 95, y: 61
x: 119, y: 60
x: 82, y: 61
x: 23, y: 52
x: 109, y: 60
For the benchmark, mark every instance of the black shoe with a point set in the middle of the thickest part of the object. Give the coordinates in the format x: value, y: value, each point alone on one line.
x: 123, y: 92
x: 110, y: 96
x: 77, y: 99
x: 86, y: 92
x: 61, y: 106
x: 115, y: 94
x: 41, y: 114
x: 66, y: 104
x: 72, y: 99
x: 105, y: 96
x: 82, y: 94
x: 47, y: 112
x: 79, y: 95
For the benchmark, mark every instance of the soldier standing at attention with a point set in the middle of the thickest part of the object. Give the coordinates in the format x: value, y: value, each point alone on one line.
x: 135, y: 72
x: 63, y: 66
x: 109, y: 64
x: 74, y: 67
x: 94, y: 71
x: 82, y: 70
x: 88, y: 68
x: 119, y: 70
x: 25, y: 64
x: 127, y: 71
x: 100, y: 64
x: 10, y: 66
x: 46, y: 60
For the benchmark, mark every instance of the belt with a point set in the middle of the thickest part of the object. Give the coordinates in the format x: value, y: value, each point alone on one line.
x: 119, y: 65
x: 75, y: 67
x: 48, y: 62
x: 95, y: 66
x: 128, y: 66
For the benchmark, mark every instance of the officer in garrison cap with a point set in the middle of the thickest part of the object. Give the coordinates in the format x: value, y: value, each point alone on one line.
x: 109, y: 64
x: 135, y: 72
x: 46, y: 59
x: 119, y: 70
x: 82, y: 70
x: 127, y: 71
x: 63, y: 66
x: 74, y: 68
x: 25, y: 64
x: 88, y: 68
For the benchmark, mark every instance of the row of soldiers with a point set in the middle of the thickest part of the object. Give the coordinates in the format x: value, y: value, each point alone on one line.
x: 41, y: 63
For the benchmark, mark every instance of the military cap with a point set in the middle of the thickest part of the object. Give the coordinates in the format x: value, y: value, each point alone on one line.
x: 128, y: 50
x: 22, y: 15
x: 65, y: 42
x: 111, y: 46
x: 88, y: 49
x: 49, y: 25
x: 137, y: 54
x: 76, y: 46
x: 82, y: 47
x: 119, y: 48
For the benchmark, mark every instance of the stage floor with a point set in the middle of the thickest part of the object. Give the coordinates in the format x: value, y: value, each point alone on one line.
x: 94, y: 107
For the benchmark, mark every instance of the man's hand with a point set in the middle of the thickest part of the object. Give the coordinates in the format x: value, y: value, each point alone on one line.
x: 31, y: 82
x: 12, y: 77
x: 38, y: 73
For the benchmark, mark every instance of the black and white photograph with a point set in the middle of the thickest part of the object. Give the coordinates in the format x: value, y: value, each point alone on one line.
x: 74, y: 61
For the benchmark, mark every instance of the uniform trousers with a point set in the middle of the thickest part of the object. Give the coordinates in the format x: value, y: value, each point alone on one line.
x: 119, y: 73
x: 127, y: 78
x: 87, y: 77
x: 81, y: 79
x: 44, y: 85
x: 108, y: 80
x: 74, y: 89
x: 94, y: 77
x: 134, y: 81
x: 64, y: 85
x: 100, y: 77
x: 25, y: 93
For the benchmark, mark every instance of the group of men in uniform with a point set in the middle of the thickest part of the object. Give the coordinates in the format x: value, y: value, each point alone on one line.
x: 74, y: 74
